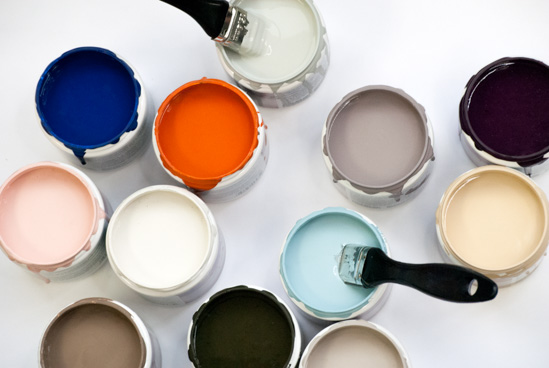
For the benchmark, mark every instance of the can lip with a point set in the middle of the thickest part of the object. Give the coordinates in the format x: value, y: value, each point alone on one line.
x: 424, y: 157
x: 366, y: 303
x: 39, y: 95
x: 519, y: 266
x: 182, y: 284
x: 98, y: 214
x: 280, y: 82
x: 190, y: 178
x: 343, y: 325
x: 268, y: 295
x: 465, y: 122
x: 140, y: 328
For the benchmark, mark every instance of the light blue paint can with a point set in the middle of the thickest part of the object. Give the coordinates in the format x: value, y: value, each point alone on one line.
x: 308, y: 265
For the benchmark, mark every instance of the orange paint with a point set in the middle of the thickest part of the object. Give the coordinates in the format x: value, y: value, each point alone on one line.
x: 206, y: 130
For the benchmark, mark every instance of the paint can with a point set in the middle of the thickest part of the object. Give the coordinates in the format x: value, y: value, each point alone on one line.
x: 504, y: 115
x: 377, y: 144
x: 163, y: 242
x: 354, y: 343
x: 244, y: 326
x: 98, y: 332
x: 209, y: 136
x: 92, y: 105
x: 494, y: 220
x: 295, y: 54
x: 308, y: 265
x: 53, y: 221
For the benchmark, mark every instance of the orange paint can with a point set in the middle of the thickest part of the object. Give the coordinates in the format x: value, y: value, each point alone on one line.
x: 210, y: 137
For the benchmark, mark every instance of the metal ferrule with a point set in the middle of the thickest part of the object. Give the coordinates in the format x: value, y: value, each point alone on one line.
x: 234, y: 29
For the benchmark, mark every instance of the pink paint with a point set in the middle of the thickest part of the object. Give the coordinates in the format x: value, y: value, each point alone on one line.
x: 48, y: 214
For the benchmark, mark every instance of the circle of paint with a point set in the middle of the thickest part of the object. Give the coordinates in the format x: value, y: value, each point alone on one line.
x: 294, y: 57
x: 355, y: 343
x: 162, y: 240
x: 205, y: 131
x: 494, y: 220
x: 244, y: 326
x: 308, y: 264
x: 504, y: 113
x: 379, y: 141
x: 97, y: 332
x: 90, y: 103
x: 50, y: 213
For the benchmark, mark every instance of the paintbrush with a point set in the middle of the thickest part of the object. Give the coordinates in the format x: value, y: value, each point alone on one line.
x: 369, y: 267
x: 231, y: 26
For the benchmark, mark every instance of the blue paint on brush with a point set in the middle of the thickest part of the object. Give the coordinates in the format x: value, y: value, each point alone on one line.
x: 87, y: 98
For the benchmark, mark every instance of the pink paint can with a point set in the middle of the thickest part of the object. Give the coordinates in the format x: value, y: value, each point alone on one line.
x: 52, y: 221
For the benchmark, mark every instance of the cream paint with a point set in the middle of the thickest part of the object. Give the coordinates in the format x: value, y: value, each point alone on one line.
x: 353, y: 346
x: 48, y: 215
x: 290, y: 40
x: 495, y: 220
x: 159, y: 239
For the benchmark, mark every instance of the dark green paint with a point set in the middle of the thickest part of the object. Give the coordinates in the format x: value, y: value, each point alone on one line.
x: 242, y: 327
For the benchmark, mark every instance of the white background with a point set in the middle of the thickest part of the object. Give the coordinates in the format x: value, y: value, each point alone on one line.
x: 428, y: 48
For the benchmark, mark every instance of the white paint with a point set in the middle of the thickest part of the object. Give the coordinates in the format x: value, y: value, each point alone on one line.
x: 159, y: 238
x: 290, y: 40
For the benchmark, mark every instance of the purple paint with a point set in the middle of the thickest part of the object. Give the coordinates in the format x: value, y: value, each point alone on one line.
x: 505, y: 110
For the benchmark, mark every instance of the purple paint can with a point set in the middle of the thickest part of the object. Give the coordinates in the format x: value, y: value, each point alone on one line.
x: 504, y: 115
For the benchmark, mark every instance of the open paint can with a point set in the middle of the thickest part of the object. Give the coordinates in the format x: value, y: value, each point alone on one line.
x: 209, y: 136
x: 308, y: 265
x: 354, y: 343
x: 504, y: 115
x: 377, y: 144
x: 494, y: 220
x: 53, y: 221
x: 294, y: 58
x: 98, y: 332
x: 92, y: 105
x: 244, y: 326
x: 164, y: 243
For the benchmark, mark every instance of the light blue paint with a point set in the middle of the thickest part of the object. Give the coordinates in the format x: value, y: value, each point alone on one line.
x: 88, y: 98
x: 308, y: 264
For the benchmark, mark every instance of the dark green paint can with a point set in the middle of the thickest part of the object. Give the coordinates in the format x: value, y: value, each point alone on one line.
x: 244, y: 327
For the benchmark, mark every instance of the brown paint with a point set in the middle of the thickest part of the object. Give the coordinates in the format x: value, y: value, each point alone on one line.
x: 92, y: 333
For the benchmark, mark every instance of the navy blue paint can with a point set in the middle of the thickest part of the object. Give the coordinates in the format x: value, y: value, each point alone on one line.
x: 92, y: 105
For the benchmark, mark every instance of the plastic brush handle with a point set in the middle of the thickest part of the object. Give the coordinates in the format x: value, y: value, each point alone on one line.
x: 443, y: 281
x: 210, y: 14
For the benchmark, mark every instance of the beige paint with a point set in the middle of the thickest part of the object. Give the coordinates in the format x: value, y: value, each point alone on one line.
x: 353, y: 346
x: 495, y: 219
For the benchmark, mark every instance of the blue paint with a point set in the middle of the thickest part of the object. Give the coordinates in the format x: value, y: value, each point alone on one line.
x: 308, y: 263
x: 87, y: 98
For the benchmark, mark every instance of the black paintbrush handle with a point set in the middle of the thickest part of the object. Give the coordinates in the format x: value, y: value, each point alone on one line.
x: 210, y: 14
x: 444, y: 281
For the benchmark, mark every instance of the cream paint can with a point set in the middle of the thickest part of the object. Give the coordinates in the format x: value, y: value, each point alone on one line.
x: 308, y: 265
x: 354, y: 343
x: 295, y: 55
x: 377, y: 144
x: 504, y: 115
x: 53, y: 221
x: 98, y: 332
x: 209, y: 136
x: 494, y: 220
x: 164, y: 243
x: 92, y: 105
x: 244, y: 326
